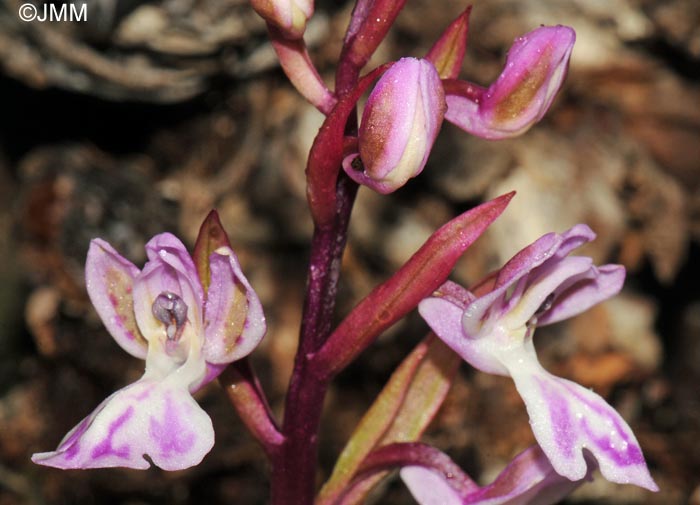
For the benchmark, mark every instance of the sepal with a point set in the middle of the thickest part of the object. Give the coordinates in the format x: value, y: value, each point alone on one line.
x: 109, y: 278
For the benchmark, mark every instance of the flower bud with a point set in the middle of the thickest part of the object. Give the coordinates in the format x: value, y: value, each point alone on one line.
x: 535, y: 69
x: 289, y: 16
x: 402, y: 117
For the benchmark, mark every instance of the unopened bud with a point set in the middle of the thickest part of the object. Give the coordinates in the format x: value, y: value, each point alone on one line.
x: 289, y: 16
x: 402, y: 117
x: 535, y: 69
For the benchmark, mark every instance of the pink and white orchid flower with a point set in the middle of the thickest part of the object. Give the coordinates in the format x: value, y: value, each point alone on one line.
x: 161, y: 314
x: 528, y: 480
x: 493, y: 332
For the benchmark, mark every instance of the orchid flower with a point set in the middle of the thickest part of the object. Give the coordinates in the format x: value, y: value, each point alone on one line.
x: 528, y: 480
x: 493, y: 332
x: 535, y: 69
x: 187, y: 336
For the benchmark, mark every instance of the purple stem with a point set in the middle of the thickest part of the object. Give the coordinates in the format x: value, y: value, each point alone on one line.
x: 294, y: 465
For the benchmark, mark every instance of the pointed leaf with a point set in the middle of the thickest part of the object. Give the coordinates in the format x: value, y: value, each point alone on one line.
x: 424, y: 272
x: 448, y: 52
x: 401, y: 412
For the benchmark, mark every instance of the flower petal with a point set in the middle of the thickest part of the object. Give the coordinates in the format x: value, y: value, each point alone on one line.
x: 574, y: 238
x: 429, y: 487
x: 148, y: 418
x: 235, y: 323
x: 445, y: 318
x: 517, y: 267
x: 543, y: 283
x: 528, y: 480
x: 606, y: 282
x: 168, y: 248
x: 567, y: 418
x: 110, y: 278
x: 170, y: 269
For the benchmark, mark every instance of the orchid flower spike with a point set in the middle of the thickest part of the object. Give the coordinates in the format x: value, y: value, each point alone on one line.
x: 493, y: 332
x: 399, y: 125
x: 288, y: 16
x: 536, y: 66
x: 161, y: 314
x: 528, y: 480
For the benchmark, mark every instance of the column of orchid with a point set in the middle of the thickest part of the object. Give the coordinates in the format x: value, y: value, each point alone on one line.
x: 193, y: 318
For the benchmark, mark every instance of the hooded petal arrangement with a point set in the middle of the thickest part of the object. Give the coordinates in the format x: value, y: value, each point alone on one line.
x: 493, y: 332
x: 161, y: 314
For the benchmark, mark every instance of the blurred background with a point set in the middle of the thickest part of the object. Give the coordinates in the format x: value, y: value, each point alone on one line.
x: 148, y: 114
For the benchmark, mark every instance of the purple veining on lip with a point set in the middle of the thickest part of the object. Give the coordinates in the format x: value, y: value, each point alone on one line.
x: 560, y: 417
x: 171, y: 434
x: 105, y: 447
x: 143, y: 395
x: 630, y: 455
x: 73, y: 442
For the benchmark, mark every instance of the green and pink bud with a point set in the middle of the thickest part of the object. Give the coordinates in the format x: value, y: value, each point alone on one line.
x: 288, y: 16
x: 535, y: 68
x: 399, y: 125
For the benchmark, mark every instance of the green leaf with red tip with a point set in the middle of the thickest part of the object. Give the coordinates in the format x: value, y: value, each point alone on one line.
x: 326, y: 155
x: 422, y: 274
x: 447, y: 53
x: 401, y: 413
x: 211, y: 236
